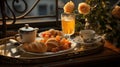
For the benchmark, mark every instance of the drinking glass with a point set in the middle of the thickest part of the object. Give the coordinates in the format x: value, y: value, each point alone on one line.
x: 68, y: 24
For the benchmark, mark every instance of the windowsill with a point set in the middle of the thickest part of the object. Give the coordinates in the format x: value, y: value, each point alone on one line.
x: 35, y: 20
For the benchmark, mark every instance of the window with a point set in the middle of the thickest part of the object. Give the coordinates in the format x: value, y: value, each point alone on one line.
x: 42, y: 9
x: 46, y: 8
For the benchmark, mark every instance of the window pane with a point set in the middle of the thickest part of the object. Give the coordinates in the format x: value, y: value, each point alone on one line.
x: 43, y: 8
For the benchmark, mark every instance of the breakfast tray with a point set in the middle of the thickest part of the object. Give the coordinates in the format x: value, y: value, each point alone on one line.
x: 25, y: 58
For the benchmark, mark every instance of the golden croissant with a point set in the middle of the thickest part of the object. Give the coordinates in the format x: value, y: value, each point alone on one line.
x: 34, y: 47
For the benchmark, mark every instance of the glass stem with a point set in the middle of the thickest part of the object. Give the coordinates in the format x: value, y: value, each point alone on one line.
x: 68, y: 37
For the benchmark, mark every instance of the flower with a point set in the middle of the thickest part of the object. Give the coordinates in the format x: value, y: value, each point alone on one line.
x: 116, y: 12
x: 69, y: 7
x: 83, y: 8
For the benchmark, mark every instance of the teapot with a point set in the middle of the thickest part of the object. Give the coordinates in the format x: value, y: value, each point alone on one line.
x: 26, y: 34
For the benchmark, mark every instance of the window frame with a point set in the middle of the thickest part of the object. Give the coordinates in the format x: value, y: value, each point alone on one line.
x: 4, y: 26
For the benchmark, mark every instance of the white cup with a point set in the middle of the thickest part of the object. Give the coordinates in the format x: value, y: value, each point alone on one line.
x: 87, y: 35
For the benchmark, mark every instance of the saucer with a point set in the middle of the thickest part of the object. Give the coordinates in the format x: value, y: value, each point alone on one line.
x: 96, y: 39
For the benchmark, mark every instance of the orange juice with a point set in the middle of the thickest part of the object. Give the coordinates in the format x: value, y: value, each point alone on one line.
x: 68, y: 26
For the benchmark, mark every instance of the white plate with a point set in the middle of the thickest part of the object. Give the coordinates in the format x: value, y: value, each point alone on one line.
x: 73, y: 45
x: 77, y: 39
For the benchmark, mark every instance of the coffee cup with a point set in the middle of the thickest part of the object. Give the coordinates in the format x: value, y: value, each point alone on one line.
x: 87, y: 35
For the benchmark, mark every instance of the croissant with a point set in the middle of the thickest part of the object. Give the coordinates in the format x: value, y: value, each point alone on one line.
x: 35, y: 47
x: 51, y: 43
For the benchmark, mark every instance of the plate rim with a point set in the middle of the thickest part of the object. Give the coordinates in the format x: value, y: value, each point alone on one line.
x: 51, y: 53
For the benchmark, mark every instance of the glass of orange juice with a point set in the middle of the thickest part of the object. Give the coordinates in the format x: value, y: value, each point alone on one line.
x: 68, y: 24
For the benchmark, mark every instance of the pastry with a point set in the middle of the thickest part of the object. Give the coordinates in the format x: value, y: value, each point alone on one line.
x: 51, y: 33
x: 51, y: 43
x: 34, y: 47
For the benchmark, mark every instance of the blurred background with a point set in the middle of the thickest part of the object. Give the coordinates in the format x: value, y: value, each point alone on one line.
x: 43, y: 8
